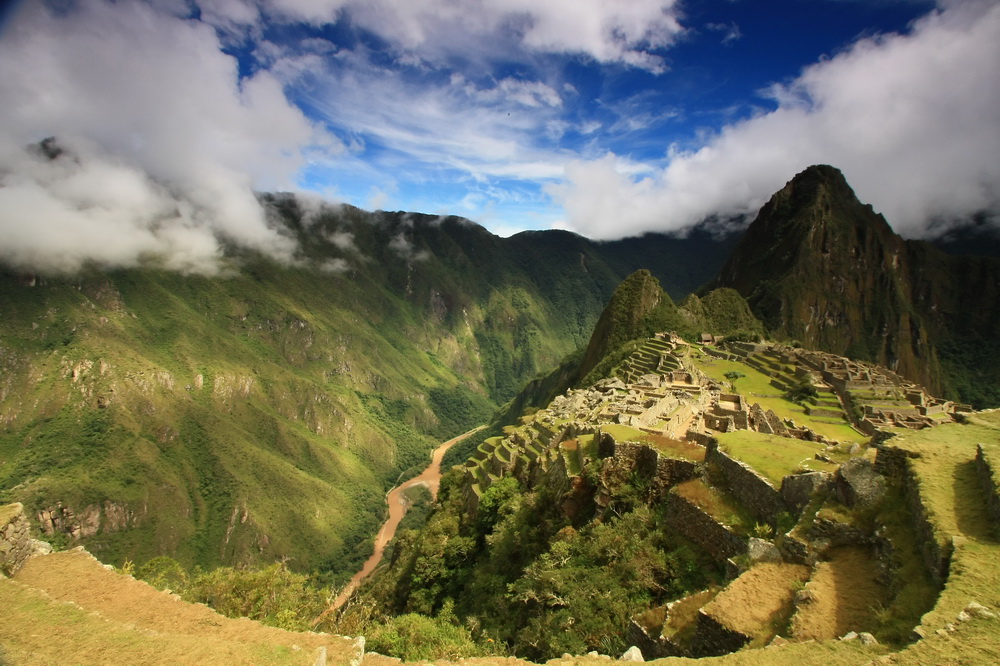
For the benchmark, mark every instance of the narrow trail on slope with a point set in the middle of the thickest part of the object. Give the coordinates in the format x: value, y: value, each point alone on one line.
x: 430, y: 478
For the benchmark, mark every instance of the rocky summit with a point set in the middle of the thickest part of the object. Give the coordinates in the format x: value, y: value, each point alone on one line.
x: 820, y: 267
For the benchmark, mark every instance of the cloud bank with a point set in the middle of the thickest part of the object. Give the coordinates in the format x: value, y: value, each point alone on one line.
x: 913, y: 121
x: 164, y: 143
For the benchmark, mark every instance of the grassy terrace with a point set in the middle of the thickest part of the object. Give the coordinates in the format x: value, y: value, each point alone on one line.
x: 671, y: 448
x: 715, y: 502
x: 570, y: 452
x: 773, y: 457
x: 756, y: 387
x: 950, y: 490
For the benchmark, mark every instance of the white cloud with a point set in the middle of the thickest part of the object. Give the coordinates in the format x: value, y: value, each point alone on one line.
x: 912, y: 120
x: 335, y: 266
x: 343, y: 240
x: 405, y: 249
x: 170, y: 144
x: 621, y: 32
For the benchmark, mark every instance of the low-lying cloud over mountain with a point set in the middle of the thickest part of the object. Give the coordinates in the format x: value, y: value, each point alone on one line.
x: 913, y: 121
x: 593, y: 116
x: 164, y: 144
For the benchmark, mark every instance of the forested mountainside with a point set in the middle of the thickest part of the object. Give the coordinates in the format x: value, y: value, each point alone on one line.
x: 263, y: 414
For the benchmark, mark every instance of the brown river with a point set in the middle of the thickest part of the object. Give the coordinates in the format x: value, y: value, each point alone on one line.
x: 430, y: 478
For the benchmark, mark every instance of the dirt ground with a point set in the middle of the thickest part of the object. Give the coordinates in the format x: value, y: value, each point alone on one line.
x: 75, y: 576
x: 753, y: 601
x: 840, y: 597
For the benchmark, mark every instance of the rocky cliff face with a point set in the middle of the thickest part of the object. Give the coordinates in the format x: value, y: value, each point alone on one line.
x: 820, y: 267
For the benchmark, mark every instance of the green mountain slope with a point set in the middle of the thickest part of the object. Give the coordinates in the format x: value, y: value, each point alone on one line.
x: 263, y: 414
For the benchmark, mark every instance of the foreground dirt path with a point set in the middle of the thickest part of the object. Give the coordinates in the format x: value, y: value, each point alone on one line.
x: 430, y: 478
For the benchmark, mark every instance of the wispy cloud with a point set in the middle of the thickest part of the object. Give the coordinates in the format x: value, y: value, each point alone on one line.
x: 609, y: 32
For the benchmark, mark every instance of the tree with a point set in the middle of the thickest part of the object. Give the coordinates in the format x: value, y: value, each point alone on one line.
x: 803, y: 391
x: 732, y: 376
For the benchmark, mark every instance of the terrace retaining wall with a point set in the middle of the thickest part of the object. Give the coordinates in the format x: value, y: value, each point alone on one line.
x: 988, y: 477
x: 712, y: 638
x: 16, y: 544
x: 702, y: 529
x: 750, y: 488
x: 935, y: 550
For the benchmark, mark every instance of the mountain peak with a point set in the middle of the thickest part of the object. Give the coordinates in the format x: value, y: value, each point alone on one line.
x: 819, y: 266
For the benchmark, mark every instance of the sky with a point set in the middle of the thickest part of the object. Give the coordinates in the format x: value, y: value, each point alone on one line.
x: 609, y: 118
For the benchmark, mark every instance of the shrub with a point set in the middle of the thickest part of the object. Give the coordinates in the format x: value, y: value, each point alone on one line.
x: 273, y: 595
x: 163, y: 573
x: 414, y: 637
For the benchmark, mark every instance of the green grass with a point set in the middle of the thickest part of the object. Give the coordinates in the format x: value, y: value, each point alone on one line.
x: 773, y: 457
x: 950, y: 490
x: 756, y: 387
x: 715, y: 502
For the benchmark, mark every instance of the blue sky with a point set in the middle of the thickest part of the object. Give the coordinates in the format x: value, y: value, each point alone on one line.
x: 609, y: 118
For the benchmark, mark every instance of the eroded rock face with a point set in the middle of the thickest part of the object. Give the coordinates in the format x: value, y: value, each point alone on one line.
x: 87, y: 521
x: 857, y: 484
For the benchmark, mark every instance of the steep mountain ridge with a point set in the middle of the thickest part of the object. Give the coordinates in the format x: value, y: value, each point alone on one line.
x: 820, y: 267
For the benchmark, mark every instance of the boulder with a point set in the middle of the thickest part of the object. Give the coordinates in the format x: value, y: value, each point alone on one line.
x: 857, y: 484
x: 797, y: 489
x: 632, y: 654
x: 761, y: 550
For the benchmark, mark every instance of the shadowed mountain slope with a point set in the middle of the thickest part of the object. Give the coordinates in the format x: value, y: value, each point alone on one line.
x: 820, y: 267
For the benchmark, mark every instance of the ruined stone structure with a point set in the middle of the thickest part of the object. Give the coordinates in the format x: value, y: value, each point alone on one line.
x: 659, y: 393
x: 16, y: 544
x: 989, y: 478
x: 752, y: 490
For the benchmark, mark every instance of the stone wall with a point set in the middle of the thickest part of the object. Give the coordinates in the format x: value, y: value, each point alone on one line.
x: 652, y: 647
x: 671, y: 471
x: 699, y: 437
x: 935, y: 549
x: 990, y: 480
x: 16, y: 544
x: 700, y: 528
x: 712, y: 638
x: 751, y: 489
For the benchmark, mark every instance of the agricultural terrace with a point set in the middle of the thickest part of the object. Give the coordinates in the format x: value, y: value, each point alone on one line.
x: 758, y: 388
x: 672, y: 448
x: 956, y: 504
x: 772, y: 456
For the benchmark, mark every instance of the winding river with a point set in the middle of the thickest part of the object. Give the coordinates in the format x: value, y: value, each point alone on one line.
x: 430, y: 478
